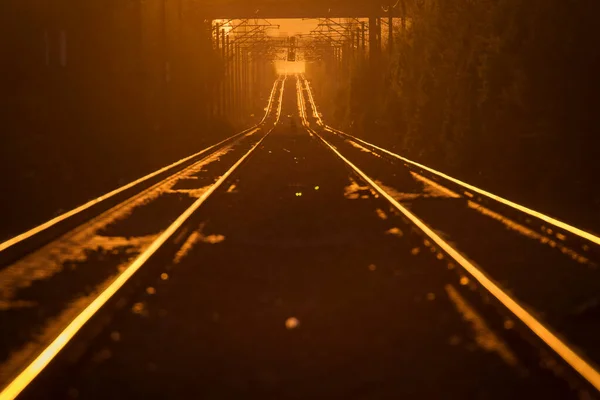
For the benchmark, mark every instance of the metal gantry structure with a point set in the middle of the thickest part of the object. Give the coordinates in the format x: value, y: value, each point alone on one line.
x: 355, y: 51
x: 246, y: 51
x: 345, y: 42
x: 339, y: 43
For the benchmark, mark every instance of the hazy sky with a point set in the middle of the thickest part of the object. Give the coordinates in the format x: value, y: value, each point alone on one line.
x: 294, y: 26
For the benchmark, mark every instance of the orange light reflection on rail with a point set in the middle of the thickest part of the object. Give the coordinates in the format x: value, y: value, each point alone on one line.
x: 570, y: 356
x: 26, y: 376
x: 569, y: 228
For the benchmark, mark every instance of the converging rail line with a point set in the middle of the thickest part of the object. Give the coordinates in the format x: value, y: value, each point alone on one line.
x: 466, y: 188
x: 560, y: 346
x: 9, y: 244
x: 327, y: 230
x: 39, y: 353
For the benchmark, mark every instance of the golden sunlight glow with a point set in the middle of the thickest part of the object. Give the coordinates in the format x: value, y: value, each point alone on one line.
x: 225, y: 24
x: 290, y: 68
x: 292, y: 323
x: 292, y: 26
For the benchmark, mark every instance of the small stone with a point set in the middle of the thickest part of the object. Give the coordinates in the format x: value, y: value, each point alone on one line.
x: 508, y: 324
x: 292, y: 323
x: 115, y: 336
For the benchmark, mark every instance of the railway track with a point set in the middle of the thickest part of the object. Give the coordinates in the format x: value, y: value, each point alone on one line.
x: 336, y: 256
x: 55, y: 278
x: 571, y: 250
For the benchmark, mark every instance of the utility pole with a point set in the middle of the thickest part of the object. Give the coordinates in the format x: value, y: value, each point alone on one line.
x: 216, y: 89
x: 374, y: 39
x: 166, y: 104
x: 352, y: 49
x: 223, y: 82
x: 358, y: 49
x: 238, y: 43
x: 206, y: 89
x: 244, y: 81
x: 374, y: 65
x: 228, y: 91
x: 391, y: 30
x: 364, y: 37
x: 238, y: 81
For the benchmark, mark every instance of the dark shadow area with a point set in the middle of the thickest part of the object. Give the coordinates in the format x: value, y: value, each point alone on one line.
x: 503, y: 95
x: 94, y: 95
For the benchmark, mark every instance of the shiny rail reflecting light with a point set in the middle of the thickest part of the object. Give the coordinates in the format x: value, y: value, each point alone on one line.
x: 312, y: 102
x: 271, y: 98
x: 300, y: 101
x: 31, y: 371
x: 576, y: 361
x: 546, y: 218
x: 281, y: 99
x: 570, y: 356
x: 50, y: 352
x: 40, y: 228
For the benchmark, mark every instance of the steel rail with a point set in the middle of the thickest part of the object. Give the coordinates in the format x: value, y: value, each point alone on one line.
x: 33, y: 369
x: 564, y: 350
x: 546, y: 218
x: 69, y: 214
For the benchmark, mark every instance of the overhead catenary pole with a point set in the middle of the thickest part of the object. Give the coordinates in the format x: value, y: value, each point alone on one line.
x: 244, y: 81
x: 374, y: 39
x: 238, y: 82
x: 352, y: 48
x: 391, y: 29
x: 244, y: 49
x: 206, y: 88
x: 217, y: 87
x: 229, y: 89
x: 364, y: 37
x: 166, y: 107
x: 223, y: 81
